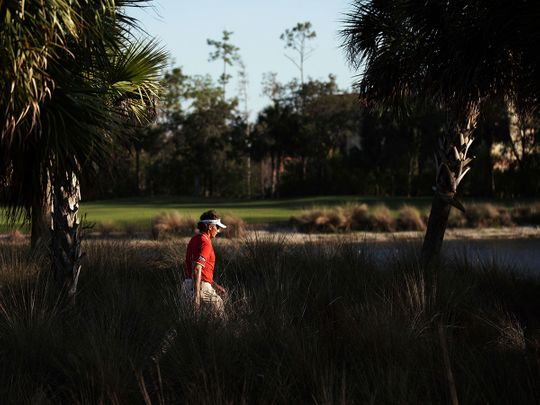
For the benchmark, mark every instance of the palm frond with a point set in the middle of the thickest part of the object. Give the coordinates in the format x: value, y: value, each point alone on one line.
x: 69, y: 71
x: 454, y: 52
x: 134, y: 77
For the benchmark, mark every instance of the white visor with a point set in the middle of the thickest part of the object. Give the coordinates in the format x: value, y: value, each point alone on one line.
x: 213, y: 222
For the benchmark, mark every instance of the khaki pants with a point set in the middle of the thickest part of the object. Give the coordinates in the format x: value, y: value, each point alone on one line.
x: 209, y: 297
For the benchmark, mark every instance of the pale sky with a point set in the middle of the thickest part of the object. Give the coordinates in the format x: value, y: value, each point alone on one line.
x: 183, y: 27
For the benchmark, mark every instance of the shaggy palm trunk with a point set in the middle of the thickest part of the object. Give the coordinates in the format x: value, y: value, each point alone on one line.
x: 436, y: 228
x: 452, y: 164
x: 66, y: 243
x: 41, y: 219
x: 39, y: 235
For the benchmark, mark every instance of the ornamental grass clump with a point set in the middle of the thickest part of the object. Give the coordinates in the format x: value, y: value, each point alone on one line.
x: 323, y: 221
x: 410, y: 219
x: 359, y: 217
x: 171, y: 223
x: 457, y: 219
x: 381, y: 219
x: 106, y: 228
x: 486, y: 215
x: 307, y: 222
x: 336, y: 220
x: 236, y: 227
x: 526, y: 214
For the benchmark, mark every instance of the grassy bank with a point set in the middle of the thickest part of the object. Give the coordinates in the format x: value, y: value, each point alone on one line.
x: 379, y: 218
x: 308, y: 323
x: 139, y: 214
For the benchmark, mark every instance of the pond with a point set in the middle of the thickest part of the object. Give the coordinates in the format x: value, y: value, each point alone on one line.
x: 520, y: 255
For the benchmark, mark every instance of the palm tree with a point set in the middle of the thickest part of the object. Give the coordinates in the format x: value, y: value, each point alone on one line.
x: 456, y: 53
x: 73, y: 75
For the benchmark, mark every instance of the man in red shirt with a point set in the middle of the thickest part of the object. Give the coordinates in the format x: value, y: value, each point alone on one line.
x: 199, y: 266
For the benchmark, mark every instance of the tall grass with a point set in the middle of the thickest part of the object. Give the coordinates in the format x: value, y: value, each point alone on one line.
x: 308, y: 323
x: 380, y: 218
x: 172, y: 223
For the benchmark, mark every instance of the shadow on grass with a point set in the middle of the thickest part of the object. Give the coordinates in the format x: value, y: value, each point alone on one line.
x: 308, y: 323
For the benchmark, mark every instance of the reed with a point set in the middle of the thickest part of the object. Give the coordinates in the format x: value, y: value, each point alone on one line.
x: 308, y: 323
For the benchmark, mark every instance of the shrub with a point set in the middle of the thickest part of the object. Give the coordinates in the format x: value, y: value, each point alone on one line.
x: 457, y: 219
x: 381, y: 219
x: 171, y: 223
x: 336, y: 220
x: 485, y: 215
x: 481, y: 215
x: 359, y: 217
x: 409, y: 219
x: 236, y: 227
x: 526, y: 215
x: 326, y: 221
x: 131, y: 228
x: 311, y: 221
x: 505, y: 217
x: 105, y: 228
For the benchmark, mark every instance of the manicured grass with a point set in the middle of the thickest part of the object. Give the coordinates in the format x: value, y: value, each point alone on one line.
x: 138, y: 212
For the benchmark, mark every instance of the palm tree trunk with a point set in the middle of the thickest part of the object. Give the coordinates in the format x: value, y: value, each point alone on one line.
x: 39, y: 225
x: 66, y: 243
x: 40, y: 217
x: 436, y: 228
x: 40, y: 236
x: 452, y: 165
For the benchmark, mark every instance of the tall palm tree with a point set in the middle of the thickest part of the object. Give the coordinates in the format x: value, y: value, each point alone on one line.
x: 72, y: 76
x: 456, y: 53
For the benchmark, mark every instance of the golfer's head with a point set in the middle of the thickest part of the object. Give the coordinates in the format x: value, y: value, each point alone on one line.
x: 210, y: 223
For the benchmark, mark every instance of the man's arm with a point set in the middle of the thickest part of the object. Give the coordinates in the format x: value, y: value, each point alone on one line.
x: 197, y: 274
x: 220, y: 290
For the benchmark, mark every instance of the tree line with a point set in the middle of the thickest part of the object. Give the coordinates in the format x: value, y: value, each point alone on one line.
x: 312, y: 138
x: 78, y: 91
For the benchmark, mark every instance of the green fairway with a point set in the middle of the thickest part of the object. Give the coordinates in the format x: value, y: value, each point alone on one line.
x: 142, y: 210
x: 138, y: 212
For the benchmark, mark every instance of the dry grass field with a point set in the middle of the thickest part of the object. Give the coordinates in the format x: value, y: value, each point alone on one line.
x: 313, y: 322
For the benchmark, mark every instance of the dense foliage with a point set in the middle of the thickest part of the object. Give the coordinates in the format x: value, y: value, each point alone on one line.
x: 72, y: 74
x: 311, y: 139
x: 316, y: 322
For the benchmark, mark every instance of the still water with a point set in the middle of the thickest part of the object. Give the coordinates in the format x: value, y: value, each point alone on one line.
x: 519, y: 255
